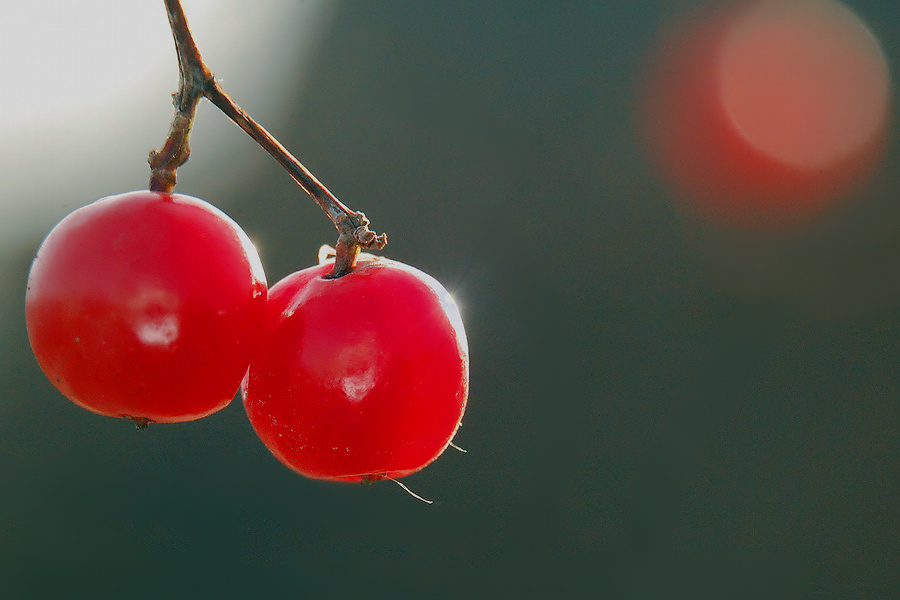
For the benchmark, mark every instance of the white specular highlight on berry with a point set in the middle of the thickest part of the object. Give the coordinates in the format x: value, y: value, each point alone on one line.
x: 162, y: 331
x: 355, y: 370
x: 154, y: 319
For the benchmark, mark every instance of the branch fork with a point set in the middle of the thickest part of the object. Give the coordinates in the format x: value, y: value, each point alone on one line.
x: 196, y: 82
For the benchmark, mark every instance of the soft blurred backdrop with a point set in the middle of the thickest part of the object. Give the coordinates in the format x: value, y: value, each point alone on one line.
x: 662, y: 405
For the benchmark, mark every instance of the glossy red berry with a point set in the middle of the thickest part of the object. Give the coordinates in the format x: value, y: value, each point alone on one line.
x: 361, y: 377
x: 146, y: 305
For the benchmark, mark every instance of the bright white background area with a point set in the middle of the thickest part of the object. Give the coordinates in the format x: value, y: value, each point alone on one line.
x: 85, y: 94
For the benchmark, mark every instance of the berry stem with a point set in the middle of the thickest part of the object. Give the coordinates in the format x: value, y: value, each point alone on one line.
x: 196, y: 82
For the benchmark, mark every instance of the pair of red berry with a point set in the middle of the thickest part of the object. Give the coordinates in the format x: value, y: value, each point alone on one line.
x: 154, y: 306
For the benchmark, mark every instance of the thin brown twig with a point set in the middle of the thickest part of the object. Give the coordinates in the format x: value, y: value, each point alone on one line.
x: 196, y: 82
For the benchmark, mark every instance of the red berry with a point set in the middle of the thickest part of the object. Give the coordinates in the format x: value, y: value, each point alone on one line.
x: 146, y: 305
x: 361, y: 377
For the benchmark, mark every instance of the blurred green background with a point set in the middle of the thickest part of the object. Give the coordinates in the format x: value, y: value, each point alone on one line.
x: 659, y: 408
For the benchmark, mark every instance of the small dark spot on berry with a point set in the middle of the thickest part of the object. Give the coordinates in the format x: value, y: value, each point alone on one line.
x: 139, y: 422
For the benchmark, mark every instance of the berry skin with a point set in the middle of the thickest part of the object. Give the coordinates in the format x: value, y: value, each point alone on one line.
x: 358, y: 378
x: 146, y: 305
